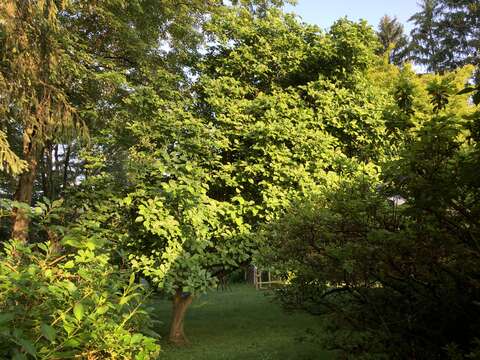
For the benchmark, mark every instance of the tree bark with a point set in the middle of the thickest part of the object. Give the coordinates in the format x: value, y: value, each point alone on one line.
x: 65, y: 169
x: 47, y: 173
x: 53, y: 171
x: 181, y: 302
x: 24, y: 191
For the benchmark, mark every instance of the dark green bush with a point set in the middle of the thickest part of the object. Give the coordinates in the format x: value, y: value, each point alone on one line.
x: 393, y: 281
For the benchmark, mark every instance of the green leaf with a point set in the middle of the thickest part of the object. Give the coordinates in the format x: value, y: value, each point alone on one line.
x: 4, y: 318
x: 69, y: 286
x: 125, y: 299
x: 71, y: 343
x: 19, y: 356
x: 78, y: 311
x: 102, y: 309
x: 68, y: 327
x: 57, y: 203
x: 466, y: 90
x: 71, y: 241
x: 69, y: 264
x: 48, y: 332
x: 43, y: 247
x: 136, y: 338
x: 28, y: 346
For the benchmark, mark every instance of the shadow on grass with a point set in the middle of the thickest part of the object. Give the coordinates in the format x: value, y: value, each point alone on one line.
x: 242, y: 323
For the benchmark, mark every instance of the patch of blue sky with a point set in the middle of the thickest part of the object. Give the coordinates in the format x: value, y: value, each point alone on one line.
x: 324, y: 12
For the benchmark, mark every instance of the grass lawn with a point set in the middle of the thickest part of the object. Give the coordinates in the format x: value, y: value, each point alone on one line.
x: 241, y: 323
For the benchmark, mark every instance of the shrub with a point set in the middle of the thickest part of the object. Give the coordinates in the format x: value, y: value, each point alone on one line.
x: 393, y: 281
x: 60, y: 305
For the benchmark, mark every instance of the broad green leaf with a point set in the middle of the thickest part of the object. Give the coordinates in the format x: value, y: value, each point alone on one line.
x: 48, y: 332
x: 28, y: 346
x: 70, y: 286
x: 69, y: 264
x: 68, y: 326
x: 136, y: 338
x: 72, y: 343
x: 19, y: 356
x: 78, y: 311
x: 102, y: 309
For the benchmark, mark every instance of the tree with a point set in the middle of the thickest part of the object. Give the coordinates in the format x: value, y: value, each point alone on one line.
x: 36, y: 86
x: 426, y: 43
x: 379, y: 254
x: 72, y: 69
x: 153, y: 182
x: 460, y: 29
x: 208, y: 163
x: 182, y: 237
x: 393, y: 40
x: 446, y: 34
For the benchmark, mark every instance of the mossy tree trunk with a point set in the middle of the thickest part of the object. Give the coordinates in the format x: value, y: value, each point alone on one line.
x: 24, y: 191
x: 181, y: 302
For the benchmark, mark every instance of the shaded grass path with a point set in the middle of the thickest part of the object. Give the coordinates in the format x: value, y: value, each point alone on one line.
x: 242, y: 323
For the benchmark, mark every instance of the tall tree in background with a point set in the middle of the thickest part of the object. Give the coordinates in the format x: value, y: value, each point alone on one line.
x: 66, y: 66
x: 261, y: 130
x: 460, y: 31
x: 393, y: 280
x: 426, y: 48
x: 128, y: 44
x: 446, y: 34
x: 160, y: 165
x: 35, y: 74
x: 393, y: 39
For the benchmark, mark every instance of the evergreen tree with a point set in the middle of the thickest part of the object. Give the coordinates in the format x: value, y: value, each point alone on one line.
x: 425, y: 46
x: 461, y: 28
x: 393, y: 40
x: 35, y: 74
x: 66, y: 67
x: 460, y: 31
x: 446, y: 34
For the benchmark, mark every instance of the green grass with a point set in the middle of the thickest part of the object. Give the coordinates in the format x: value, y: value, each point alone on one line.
x: 242, y: 323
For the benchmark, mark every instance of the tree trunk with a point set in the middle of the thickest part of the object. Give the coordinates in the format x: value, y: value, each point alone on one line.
x: 20, y: 217
x: 53, y: 171
x: 65, y: 169
x: 47, y: 171
x: 181, y: 301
